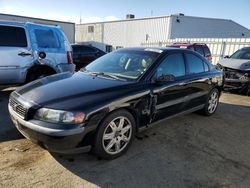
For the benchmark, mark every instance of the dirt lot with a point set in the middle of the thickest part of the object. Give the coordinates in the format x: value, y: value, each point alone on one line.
x: 187, y: 151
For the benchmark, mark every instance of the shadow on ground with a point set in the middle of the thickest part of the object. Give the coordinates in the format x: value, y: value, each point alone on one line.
x: 187, y: 151
x: 7, y: 128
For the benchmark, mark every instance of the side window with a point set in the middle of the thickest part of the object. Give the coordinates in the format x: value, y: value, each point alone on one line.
x: 12, y: 36
x: 206, y: 67
x: 172, y: 64
x: 199, y: 49
x: 195, y: 64
x: 46, y: 38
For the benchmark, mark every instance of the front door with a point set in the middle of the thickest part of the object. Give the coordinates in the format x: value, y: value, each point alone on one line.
x: 170, y: 97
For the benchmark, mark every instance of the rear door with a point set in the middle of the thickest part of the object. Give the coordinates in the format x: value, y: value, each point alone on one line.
x: 199, y: 82
x: 15, y: 54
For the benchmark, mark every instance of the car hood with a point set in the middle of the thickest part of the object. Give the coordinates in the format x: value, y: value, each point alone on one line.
x: 239, y: 64
x: 67, y: 86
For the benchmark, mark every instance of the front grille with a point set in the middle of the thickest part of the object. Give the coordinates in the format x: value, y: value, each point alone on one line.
x: 19, y: 108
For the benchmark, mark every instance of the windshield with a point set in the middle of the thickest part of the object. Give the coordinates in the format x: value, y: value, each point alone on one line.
x: 128, y: 64
x: 241, y: 54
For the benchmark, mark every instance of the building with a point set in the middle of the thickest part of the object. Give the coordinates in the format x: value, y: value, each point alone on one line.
x: 68, y: 27
x: 134, y: 32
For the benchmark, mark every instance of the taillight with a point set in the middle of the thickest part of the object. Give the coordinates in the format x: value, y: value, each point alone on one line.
x: 69, y: 57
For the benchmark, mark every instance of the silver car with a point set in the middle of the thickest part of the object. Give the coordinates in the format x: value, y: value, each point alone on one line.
x: 30, y: 51
x: 237, y: 70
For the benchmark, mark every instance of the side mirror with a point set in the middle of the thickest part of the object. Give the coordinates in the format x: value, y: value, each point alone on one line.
x: 42, y: 55
x: 227, y: 56
x: 163, y: 79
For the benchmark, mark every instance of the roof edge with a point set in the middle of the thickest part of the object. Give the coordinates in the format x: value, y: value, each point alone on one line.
x: 14, y: 15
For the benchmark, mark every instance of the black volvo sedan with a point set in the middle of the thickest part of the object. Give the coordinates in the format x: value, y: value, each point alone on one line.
x: 103, y: 105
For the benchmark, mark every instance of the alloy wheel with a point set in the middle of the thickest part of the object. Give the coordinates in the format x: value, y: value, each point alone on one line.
x: 213, y: 102
x: 117, y: 135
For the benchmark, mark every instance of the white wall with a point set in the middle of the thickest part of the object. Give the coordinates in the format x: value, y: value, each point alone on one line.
x: 132, y: 33
x: 82, y: 34
x: 126, y: 33
x: 196, y: 27
x: 68, y: 28
x: 219, y: 47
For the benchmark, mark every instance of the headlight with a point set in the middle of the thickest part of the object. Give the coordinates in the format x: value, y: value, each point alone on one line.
x: 59, y: 116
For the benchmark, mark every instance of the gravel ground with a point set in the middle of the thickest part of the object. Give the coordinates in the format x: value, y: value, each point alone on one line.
x: 187, y: 151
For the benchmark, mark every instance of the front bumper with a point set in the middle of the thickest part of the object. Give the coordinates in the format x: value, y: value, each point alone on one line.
x: 55, y: 140
x: 236, y: 83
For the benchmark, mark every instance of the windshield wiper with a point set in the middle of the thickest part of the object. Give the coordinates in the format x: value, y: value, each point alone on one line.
x: 110, y: 75
x: 95, y: 73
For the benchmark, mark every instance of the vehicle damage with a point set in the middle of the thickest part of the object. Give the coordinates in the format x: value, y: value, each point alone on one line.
x: 237, y: 74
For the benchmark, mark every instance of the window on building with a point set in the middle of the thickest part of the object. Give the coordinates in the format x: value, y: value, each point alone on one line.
x: 90, y: 29
x: 118, y: 47
x: 195, y: 64
x: 109, y: 48
x: 172, y: 64
x: 46, y: 38
x: 12, y: 36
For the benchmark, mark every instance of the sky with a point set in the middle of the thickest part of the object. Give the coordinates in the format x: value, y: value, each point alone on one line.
x: 107, y: 10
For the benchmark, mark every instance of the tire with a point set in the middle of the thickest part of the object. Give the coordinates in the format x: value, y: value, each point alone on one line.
x: 114, y: 135
x: 211, y: 103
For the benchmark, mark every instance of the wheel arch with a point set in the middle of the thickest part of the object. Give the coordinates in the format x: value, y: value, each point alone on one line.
x: 39, y: 67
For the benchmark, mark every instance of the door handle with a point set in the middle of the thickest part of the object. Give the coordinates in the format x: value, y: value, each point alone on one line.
x: 24, y: 53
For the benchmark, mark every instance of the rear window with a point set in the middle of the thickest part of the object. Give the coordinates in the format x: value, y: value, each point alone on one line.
x: 12, y: 36
x: 199, y: 49
x: 207, y: 51
x: 46, y: 38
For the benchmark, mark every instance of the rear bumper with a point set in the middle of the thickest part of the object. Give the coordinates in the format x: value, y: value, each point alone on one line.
x: 55, y: 140
x: 66, y: 67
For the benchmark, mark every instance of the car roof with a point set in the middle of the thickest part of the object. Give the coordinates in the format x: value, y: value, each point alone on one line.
x: 153, y: 49
x: 24, y: 24
x: 246, y: 48
x: 187, y: 44
x: 82, y: 45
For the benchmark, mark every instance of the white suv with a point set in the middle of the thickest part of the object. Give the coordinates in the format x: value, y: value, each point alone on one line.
x: 30, y: 51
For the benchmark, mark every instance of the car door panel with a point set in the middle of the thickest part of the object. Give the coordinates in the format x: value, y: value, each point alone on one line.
x: 15, y: 54
x: 170, y: 97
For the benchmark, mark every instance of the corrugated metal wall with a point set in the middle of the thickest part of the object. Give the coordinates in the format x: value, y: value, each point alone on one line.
x: 82, y: 34
x: 68, y: 28
x: 219, y: 47
x: 132, y: 33
x: 126, y: 33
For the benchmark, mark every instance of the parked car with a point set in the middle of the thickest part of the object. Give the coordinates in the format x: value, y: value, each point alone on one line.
x: 103, y: 105
x: 30, y: 51
x: 85, y: 54
x: 237, y: 70
x: 198, y: 47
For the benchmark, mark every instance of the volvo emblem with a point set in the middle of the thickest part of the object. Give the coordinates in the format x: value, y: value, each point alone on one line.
x: 15, y: 106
